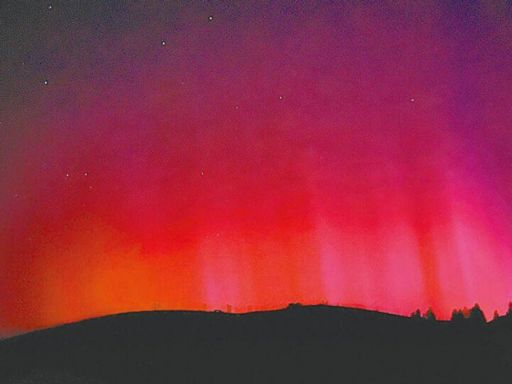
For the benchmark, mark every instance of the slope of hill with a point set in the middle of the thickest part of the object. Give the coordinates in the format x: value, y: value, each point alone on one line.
x: 312, y: 344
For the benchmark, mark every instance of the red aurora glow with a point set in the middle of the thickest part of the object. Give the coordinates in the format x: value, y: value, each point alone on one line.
x: 157, y: 157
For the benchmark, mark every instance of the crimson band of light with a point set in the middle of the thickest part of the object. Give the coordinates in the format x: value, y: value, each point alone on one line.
x: 171, y: 156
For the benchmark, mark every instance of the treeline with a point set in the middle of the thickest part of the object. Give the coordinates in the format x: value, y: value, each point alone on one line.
x: 472, y: 315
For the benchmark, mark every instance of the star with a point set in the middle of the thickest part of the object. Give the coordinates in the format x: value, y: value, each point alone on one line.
x: 202, y: 173
x: 163, y: 43
x: 210, y: 18
x: 281, y: 97
x: 45, y: 82
x: 412, y: 100
x: 86, y: 173
x: 67, y: 174
x: 50, y: 7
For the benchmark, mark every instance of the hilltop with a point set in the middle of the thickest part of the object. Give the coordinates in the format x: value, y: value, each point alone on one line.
x: 299, y: 344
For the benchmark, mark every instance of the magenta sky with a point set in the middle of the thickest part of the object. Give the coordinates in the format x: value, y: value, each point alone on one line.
x: 195, y: 156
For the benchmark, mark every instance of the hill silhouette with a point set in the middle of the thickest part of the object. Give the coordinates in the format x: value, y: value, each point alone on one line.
x: 300, y: 344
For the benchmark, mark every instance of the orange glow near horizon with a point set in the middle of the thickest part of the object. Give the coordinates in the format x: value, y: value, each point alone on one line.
x: 349, y: 154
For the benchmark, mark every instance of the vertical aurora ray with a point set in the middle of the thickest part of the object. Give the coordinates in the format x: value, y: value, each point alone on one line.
x: 357, y: 154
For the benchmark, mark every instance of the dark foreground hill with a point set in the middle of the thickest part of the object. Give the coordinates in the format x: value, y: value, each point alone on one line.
x: 315, y: 344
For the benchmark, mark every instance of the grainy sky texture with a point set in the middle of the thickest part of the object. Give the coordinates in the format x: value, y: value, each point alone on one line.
x: 175, y: 155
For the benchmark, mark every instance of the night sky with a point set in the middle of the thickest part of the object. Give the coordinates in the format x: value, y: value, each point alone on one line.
x: 195, y: 155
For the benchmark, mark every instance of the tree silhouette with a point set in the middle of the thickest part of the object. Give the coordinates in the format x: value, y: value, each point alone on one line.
x: 416, y: 314
x: 430, y: 315
x: 476, y: 315
x: 457, y: 316
x: 496, y: 315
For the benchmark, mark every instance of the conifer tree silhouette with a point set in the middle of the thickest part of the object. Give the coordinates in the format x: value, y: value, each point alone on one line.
x: 476, y: 315
x: 430, y: 315
x: 416, y: 314
x: 457, y: 316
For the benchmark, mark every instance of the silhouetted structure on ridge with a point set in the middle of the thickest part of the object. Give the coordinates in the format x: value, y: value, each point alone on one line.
x: 314, y: 344
x: 294, y: 306
x: 476, y: 315
x: 430, y: 315
x: 457, y: 316
x: 416, y: 314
